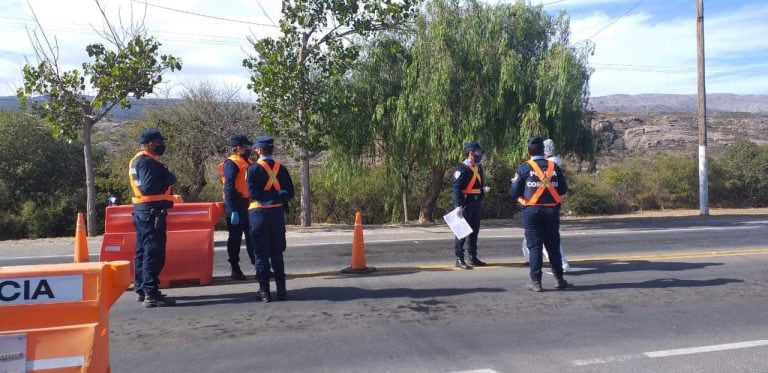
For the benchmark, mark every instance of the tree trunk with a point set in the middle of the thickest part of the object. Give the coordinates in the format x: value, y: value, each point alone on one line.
x: 427, y: 213
x: 306, y: 216
x: 405, y: 198
x: 90, y: 185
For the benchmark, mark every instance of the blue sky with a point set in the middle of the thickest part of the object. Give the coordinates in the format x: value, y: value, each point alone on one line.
x: 646, y: 46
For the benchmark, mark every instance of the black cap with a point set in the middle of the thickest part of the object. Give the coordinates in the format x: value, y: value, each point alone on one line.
x: 147, y: 136
x: 472, y: 146
x: 263, y: 142
x: 239, y: 140
x: 536, y: 140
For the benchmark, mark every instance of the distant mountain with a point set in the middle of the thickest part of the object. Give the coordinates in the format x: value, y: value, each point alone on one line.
x: 642, y: 103
x: 664, y: 103
x: 138, y: 107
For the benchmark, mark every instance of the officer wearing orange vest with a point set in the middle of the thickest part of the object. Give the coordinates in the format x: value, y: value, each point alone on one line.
x: 151, y: 184
x: 270, y: 188
x: 467, y: 190
x: 539, y: 185
x: 233, y: 171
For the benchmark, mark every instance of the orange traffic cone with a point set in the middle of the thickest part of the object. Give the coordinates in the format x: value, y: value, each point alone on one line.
x: 357, y: 263
x: 81, y: 240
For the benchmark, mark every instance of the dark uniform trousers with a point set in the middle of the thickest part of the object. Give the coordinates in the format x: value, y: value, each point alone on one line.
x: 150, y: 250
x: 268, y: 235
x: 235, y: 239
x: 473, y: 213
x: 542, y: 226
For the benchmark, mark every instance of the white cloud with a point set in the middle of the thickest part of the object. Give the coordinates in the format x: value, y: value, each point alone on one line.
x: 638, y: 54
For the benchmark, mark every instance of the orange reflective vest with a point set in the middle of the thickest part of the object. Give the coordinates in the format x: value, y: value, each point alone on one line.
x: 133, y: 176
x: 470, y: 189
x: 546, y: 184
x: 272, y: 183
x: 242, y: 167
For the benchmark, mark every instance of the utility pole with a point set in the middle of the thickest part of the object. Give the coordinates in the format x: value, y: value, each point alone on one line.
x: 702, y: 110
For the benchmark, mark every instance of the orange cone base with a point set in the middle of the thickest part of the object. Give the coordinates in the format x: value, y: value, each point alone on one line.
x: 362, y: 271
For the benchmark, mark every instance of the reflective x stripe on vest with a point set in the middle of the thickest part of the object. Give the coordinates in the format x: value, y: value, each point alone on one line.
x: 546, y: 184
x: 242, y: 169
x: 470, y: 189
x: 272, y: 182
x: 133, y: 177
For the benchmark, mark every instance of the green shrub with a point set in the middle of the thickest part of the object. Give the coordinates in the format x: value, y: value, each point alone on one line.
x: 589, y: 195
x: 738, y: 178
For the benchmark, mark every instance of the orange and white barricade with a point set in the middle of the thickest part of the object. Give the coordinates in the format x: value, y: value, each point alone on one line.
x: 189, y: 245
x: 55, y: 317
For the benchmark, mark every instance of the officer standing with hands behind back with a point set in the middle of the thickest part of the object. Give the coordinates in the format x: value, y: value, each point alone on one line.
x: 539, y: 185
x: 467, y: 190
x: 152, y: 197
x: 232, y: 172
x: 269, y: 188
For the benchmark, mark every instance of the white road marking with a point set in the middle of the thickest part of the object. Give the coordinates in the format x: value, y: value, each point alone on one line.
x: 606, y: 360
x: 697, y: 350
x: 675, y: 352
x: 476, y: 371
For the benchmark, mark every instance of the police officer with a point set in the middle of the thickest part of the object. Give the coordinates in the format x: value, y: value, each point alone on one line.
x: 232, y: 171
x: 269, y: 188
x: 549, y: 154
x: 467, y: 190
x: 539, y: 185
x: 151, y: 184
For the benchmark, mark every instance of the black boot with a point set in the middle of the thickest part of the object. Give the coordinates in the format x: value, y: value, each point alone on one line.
x: 282, y: 294
x: 561, y: 283
x: 477, y: 262
x: 460, y: 263
x: 263, y: 293
x: 237, y: 274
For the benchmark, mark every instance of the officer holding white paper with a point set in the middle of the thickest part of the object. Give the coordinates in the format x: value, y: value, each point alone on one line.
x: 468, y: 191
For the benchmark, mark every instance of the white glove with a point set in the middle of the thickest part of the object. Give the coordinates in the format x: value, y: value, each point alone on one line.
x: 486, y: 189
x: 459, y: 211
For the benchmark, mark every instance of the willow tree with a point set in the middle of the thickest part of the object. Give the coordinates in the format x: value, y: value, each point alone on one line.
x: 295, y: 75
x: 369, y: 127
x: 74, y: 101
x: 495, y: 74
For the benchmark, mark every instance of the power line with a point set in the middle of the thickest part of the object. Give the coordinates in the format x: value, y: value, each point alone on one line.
x: 145, y: 3
x: 616, y: 19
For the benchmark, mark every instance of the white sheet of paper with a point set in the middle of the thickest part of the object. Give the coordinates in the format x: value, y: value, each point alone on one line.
x: 457, y: 223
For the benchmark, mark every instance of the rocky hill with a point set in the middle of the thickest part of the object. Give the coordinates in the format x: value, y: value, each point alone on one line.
x: 659, y: 103
x: 627, y: 123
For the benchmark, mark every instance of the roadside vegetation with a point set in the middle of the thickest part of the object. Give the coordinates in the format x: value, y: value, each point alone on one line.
x: 381, y: 120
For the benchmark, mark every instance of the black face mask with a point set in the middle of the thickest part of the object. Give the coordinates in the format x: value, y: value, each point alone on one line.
x: 158, y: 149
x: 247, y: 153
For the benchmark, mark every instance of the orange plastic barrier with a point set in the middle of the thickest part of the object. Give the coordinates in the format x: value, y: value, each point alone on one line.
x: 55, y: 317
x: 189, y: 245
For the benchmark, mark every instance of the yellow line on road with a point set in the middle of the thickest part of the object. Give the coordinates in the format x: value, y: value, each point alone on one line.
x: 575, y: 259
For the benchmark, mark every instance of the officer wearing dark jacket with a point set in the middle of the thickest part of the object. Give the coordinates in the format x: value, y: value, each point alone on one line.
x: 269, y: 188
x: 233, y: 171
x: 467, y: 190
x: 152, y: 197
x: 539, y: 185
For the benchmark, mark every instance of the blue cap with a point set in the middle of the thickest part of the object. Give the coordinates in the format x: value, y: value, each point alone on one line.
x: 147, y: 136
x: 263, y: 142
x: 472, y: 146
x: 239, y: 140
x: 536, y: 140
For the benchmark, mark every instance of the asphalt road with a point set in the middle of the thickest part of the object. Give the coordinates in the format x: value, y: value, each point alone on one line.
x: 650, y: 295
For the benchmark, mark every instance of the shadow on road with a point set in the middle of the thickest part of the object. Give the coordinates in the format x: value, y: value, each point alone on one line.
x: 660, y: 283
x: 207, y: 300
x: 346, y: 293
x: 604, y: 266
